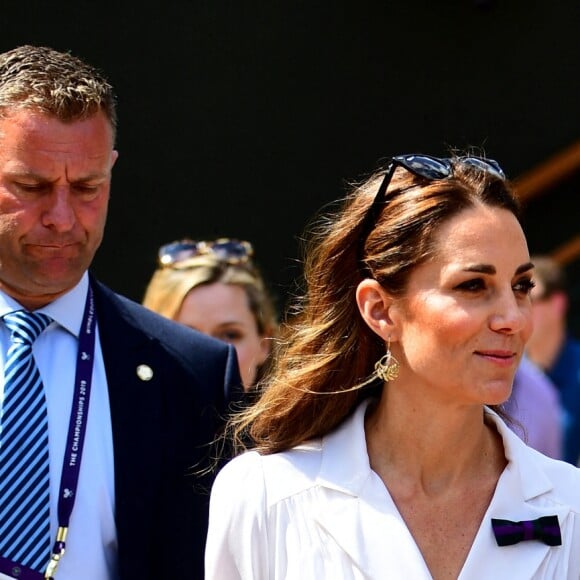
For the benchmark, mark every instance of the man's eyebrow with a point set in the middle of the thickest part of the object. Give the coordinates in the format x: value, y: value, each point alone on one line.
x: 42, y: 179
x: 91, y: 177
x: 26, y: 175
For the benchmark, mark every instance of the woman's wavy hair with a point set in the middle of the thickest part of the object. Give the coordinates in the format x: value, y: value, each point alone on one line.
x: 323, y: 362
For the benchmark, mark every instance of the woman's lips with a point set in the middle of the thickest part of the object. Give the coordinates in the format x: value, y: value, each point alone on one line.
x: 501, y: 357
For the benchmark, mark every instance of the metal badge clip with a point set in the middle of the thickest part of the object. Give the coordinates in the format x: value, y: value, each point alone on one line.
x: 57, y: 553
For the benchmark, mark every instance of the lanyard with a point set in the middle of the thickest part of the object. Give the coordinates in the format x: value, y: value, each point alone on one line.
x: 74, y: 447
x: 76, y: 432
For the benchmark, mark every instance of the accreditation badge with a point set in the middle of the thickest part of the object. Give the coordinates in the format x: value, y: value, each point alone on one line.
x: 13, y: 571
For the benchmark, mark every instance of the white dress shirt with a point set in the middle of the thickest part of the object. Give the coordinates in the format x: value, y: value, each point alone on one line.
x: 320, y: 512
x: 91, y: 544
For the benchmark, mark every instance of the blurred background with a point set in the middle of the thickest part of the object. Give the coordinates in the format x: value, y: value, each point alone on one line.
x: 242, y: 119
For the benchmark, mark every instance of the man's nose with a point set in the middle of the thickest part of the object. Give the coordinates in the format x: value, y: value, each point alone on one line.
x: 59, y: 212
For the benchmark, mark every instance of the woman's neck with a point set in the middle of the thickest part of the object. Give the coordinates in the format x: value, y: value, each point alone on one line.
x: 431, y: 448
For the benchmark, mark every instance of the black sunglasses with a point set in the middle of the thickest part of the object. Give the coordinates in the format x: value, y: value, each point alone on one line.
x: 428, y: 167
x: 434, y: 168
x: 224, y: 249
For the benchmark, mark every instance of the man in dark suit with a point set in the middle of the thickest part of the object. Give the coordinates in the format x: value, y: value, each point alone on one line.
x: 133, y: 400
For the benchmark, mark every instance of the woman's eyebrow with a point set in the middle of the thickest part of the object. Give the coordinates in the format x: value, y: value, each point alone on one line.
x: 524, y: 268
x: 481, y: 268
x: 489, y: 269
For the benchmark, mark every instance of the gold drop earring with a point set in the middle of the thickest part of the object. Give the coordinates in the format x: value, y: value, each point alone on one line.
x: 387, y: 367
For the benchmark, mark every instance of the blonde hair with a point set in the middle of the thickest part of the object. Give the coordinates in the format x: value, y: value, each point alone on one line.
x: 169, y: 286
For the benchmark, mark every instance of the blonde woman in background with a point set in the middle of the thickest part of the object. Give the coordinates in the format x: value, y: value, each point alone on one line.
x: 215, y: 288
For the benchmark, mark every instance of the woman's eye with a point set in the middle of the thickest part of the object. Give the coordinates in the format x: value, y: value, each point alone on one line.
x: 524, y: 286
x: 230, y: 336
x: 474, y: 285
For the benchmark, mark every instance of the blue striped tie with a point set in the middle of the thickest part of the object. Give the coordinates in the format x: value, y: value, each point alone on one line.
x: 24, y: 475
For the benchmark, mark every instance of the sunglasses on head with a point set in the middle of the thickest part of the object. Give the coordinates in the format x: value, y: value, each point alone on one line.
x: 428, y: 167
x: 224, y: 249
x: 432, y: 168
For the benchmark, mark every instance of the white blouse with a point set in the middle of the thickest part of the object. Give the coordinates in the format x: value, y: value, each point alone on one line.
x: 319, y: 512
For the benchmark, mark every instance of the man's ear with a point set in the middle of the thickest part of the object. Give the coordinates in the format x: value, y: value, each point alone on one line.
x: 114, y: 157
x: 560, y: 303
x: 374, y: 303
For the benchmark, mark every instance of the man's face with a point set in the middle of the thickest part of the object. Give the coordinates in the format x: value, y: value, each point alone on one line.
x: 549, y: 316
x: 54, y: 192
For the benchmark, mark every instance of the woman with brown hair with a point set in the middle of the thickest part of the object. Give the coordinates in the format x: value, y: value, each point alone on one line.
x: 379, y: 445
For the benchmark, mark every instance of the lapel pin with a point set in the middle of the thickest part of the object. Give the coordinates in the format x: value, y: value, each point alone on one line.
x: 145, y: 372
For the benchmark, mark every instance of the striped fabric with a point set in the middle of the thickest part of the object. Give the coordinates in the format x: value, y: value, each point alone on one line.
x: 545, y: 529
x: 24, y: 475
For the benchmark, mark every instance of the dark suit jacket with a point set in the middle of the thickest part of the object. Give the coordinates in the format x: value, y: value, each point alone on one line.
x: 161, y: 430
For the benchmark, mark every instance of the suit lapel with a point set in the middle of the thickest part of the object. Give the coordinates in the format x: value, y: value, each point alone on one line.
x: 136, y: 443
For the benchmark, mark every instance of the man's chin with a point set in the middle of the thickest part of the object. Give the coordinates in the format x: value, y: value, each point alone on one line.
x: 58, y: 279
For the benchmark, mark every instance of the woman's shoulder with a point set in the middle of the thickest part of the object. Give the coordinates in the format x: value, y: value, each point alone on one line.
x: 278, y: 474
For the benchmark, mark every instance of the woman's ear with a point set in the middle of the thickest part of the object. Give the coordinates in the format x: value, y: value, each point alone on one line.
x: 374, y: 303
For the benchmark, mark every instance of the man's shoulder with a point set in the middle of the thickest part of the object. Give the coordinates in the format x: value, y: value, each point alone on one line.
x: 566, y: 369
x: 572, y: 346
x: 126, y: 326
x: 116, y: 312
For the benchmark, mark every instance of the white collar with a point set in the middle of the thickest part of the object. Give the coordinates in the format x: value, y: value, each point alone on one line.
x: 349, y: 441
x: 67, y: 310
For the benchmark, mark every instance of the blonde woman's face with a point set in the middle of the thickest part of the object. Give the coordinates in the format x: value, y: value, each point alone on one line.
x: 222, y: 311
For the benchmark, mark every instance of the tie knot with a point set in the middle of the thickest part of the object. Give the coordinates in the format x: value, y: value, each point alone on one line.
x: 26, y: 326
